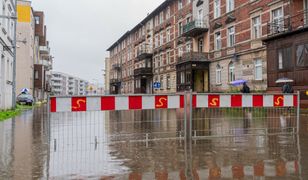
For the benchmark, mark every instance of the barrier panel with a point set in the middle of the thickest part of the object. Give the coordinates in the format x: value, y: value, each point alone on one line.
x: 98, y: 124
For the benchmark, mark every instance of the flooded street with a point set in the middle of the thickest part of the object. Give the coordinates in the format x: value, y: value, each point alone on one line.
x: 150, y: 144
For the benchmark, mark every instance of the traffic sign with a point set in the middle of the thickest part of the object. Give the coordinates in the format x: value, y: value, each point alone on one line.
x: 156, y: 85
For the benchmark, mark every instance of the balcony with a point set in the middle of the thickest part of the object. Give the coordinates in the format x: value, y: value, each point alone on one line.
x: 116, y: 66
x: 284, y: 26
x: 193, y: 57
x: 44, y: 50
x: 195, y: 28
x: 115, y: 81
x: 144, y: 53
x: 47, y: 64
x: 145, y: 71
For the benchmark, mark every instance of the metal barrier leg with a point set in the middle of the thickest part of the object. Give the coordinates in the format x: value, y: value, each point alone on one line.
x: 298, y: 111
x: 188, y: 135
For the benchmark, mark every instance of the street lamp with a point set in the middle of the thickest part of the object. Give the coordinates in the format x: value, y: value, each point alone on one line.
x: 14, y: 54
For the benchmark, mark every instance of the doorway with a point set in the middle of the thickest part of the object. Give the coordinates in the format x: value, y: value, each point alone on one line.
x: 201, y: 81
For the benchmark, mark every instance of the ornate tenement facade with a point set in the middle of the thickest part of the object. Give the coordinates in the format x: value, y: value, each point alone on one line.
x: 149, y: 52
x: 199, y: 45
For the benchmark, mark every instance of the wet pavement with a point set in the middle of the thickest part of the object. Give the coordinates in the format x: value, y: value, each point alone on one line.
x: 150, y: 145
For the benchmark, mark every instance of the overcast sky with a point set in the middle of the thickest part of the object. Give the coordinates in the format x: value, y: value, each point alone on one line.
x: 80, y: 31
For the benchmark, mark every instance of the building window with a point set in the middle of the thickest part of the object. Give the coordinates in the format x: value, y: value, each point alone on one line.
x: 285, y: 58
x: 156, y: 20
x: 182, y: 77
x: 217, y: 41
x: 37, y: 20
x: 161, y: 17
x: 161, y: 39
x: 277, y: 20
x: 180, y: 51
x: 218, y: 74
x: 231, y: 72
x: 161, y: 82
x: 161, y: 60
x: 168, y: 13
x: 180, y: 26
x: 200, y: 45
x: 168, y: 57
x: 216, y: 8
x: 302, y: 55
x: 168, y: 82
x: 231, y: 36
x: 168, y: 35
x: 258, y: 69
x: 156, y: 40
x: 256, y: 27
x: 180, y: 4
x: 200, y: 15
x: 188, y: 77
x: 187, y: 20
x: 230, y: 5
x: 188, y: 47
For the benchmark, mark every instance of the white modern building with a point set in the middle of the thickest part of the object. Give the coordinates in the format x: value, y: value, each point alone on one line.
x: 7, y: 56
x: 63, y: 84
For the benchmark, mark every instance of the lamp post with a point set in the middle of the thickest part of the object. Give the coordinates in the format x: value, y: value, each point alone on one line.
x: 14, y: 53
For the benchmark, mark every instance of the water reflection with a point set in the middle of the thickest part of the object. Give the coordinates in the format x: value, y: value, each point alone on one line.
x: 127, y: 145
x: 23, y: 151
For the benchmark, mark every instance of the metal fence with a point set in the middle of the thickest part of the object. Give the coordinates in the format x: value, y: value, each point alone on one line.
x: 86, y: 132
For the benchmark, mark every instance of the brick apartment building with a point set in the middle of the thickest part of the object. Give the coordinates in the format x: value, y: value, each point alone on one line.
x: 287, y: 48
x: 201, y: 45
x: 148, y: 53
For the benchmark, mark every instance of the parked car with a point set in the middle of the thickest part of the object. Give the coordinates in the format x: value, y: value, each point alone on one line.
x: 25, y: 98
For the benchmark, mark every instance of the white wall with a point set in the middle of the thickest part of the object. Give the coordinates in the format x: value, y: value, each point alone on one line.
x: 6, y: 57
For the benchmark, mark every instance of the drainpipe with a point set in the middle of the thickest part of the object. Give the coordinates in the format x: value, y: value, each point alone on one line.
x: 14, y: 60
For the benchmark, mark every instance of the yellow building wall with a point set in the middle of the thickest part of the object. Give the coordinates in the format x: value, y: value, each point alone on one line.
x: 24, y: 13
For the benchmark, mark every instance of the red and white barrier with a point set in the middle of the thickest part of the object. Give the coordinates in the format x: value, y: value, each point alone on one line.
x: 110, y: 103
x: 138, y: 102
x: 238, y: 100
x: 261, y: 169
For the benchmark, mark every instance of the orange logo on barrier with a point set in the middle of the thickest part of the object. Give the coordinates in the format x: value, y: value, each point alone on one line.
x: 278, y: 100
x: 79, y: 104
x: 215, y: 172
x: 214, y: 101
x: 161, y: 102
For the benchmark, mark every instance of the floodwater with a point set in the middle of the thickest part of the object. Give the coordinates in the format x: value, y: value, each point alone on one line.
x: 250, y: 144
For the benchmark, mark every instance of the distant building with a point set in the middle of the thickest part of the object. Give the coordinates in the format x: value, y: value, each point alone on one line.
x: 6, y: 59
x: 44, y: 62
x: 25, y: 51
x: 107, y: 75
x: 34, y: 60
x: 63, y: 84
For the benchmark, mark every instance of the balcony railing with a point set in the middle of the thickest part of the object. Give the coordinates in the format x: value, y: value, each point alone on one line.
x: 195, y: 28
x: 115, y: 80
x: 143, y: 72
x: 289, y: 24
x: 144, y: 52
x: 193, y: 57
x: 45, y: 49
x: 116, y: 66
